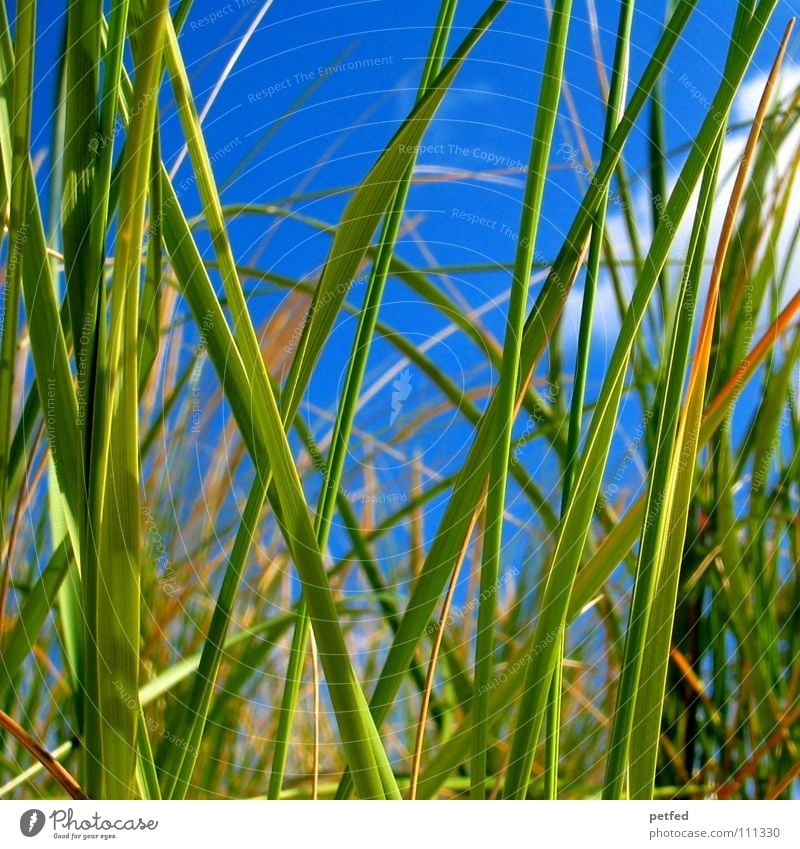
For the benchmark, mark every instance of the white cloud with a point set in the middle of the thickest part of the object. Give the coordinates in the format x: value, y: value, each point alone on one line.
x: 606, y: 322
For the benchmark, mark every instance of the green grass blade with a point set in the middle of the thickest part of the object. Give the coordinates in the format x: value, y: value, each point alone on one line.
x: 616, y: 100
x: 18, y: 225
x: 506, y: 393
x: 81, y: 125
x: 363, y: 213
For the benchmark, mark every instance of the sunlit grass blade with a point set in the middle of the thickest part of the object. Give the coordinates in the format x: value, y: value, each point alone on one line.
x: 646, y: 726
x: 112, y: 571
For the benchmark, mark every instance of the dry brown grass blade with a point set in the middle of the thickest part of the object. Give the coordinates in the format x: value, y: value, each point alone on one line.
x: 778, y: 736
x: 706, y: 335
x: 785, y: 782
x: 435, y: 650
x: 44, y: 757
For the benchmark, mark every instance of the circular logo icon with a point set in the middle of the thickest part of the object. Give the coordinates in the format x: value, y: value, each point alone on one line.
x: 31, y: 822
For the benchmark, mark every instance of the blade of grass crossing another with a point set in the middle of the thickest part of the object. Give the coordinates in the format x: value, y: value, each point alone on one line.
x: 547, y: 111
x: 574, y: 527
x: 355, y: 725
x: 616, y: 101
x: 260, y: 434
x: 349, y: 403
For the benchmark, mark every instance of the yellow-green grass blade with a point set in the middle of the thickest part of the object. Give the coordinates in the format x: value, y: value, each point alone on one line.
x: 302, y: 630
x: 112, y: 569
x: 646, y: 725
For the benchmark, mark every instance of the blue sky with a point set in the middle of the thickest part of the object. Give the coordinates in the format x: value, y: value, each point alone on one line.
x: 355, y: 67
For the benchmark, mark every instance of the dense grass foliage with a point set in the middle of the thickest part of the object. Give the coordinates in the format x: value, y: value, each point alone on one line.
x: 567, y: 567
